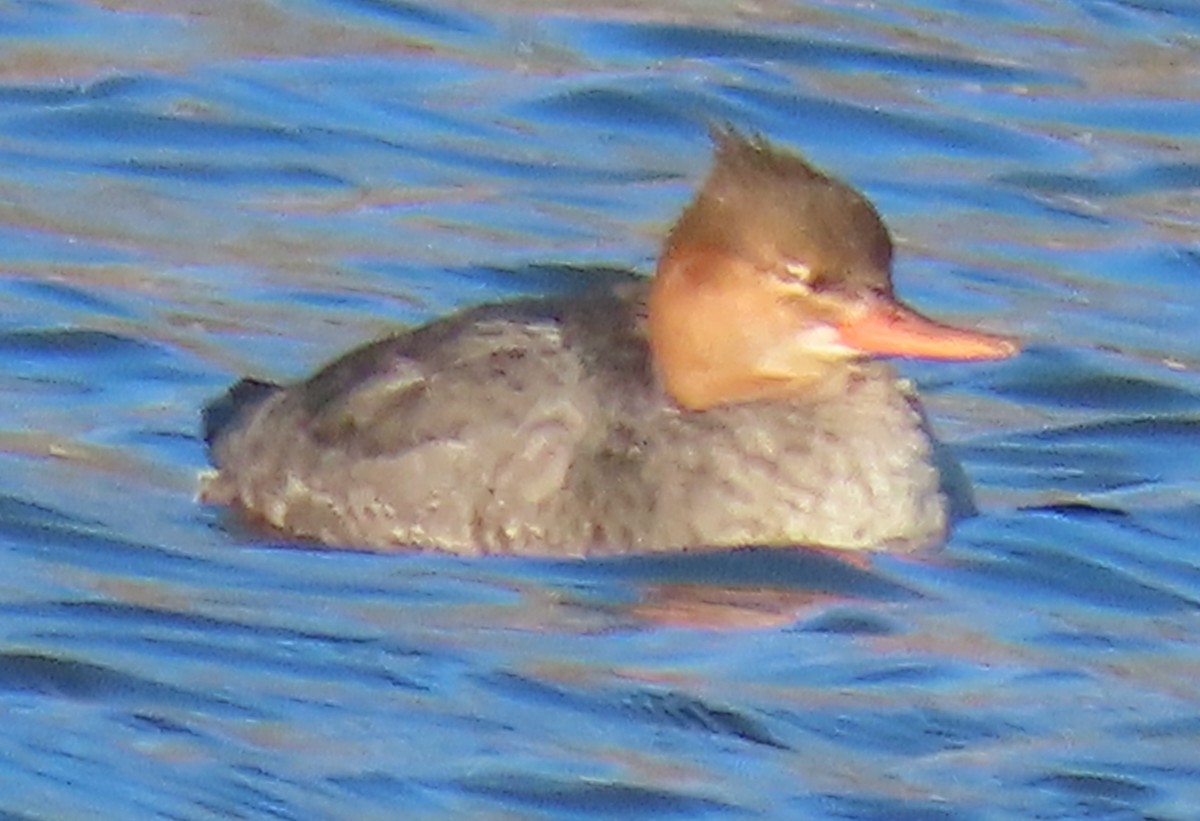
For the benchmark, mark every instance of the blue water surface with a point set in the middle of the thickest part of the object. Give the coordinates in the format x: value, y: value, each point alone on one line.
x: 191, y: 192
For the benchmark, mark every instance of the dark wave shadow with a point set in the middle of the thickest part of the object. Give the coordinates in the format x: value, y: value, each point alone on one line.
x: 749, y: 587
x: 1074, y: 552
x: 784, y: 568
x: 652, y: 706
x: 62, y: 677
x: 601, y: 799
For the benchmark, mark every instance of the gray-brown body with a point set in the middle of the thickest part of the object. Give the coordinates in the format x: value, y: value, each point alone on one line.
x: 539, y: 427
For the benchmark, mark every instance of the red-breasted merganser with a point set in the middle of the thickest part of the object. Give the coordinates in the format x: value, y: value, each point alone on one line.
x: 731, y: 400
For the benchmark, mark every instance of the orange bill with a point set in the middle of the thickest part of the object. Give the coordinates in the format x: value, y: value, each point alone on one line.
x: 893, y: 329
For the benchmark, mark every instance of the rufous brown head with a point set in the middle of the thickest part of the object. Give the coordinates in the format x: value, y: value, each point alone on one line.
x: 776, y: 271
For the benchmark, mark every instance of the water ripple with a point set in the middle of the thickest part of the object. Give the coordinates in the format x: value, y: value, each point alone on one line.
x: 255, y: 187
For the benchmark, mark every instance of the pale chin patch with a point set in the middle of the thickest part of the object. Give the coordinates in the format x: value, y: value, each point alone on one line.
x: 806, y: 353
x: 823, y: 341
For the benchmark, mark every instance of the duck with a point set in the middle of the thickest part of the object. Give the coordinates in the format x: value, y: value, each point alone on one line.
x: 739, y: 397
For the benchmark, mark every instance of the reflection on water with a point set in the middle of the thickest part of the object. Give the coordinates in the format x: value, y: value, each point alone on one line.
x: 189, y: 193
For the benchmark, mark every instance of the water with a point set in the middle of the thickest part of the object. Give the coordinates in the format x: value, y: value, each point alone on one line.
x: 190, y: 192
